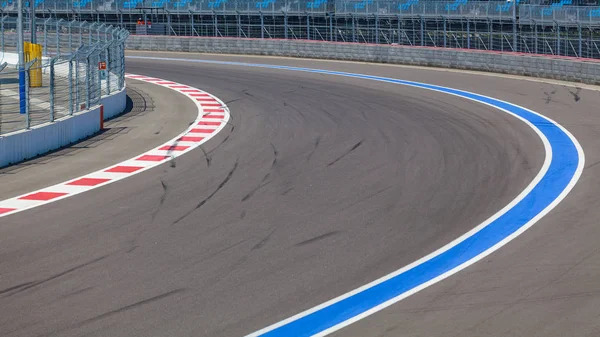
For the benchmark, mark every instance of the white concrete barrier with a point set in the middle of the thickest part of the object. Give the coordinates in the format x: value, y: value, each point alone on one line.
x: 21, y: 145
x: 25, y: 144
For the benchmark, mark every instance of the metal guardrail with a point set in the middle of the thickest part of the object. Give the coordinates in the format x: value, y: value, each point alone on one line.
x: 72, y: 78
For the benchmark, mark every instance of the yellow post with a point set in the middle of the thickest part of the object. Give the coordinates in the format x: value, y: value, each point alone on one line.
x: 35, y: 72
x: 33, y: 51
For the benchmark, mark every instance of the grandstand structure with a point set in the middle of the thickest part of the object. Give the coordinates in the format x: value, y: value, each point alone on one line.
x: 561, y: 27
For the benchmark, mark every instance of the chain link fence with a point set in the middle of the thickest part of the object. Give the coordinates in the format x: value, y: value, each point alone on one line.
x: 81, y: 63
x: 523, y: 26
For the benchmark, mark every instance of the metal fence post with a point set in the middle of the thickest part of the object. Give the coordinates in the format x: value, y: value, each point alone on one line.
x: 285, y: 25
x: 27, y: 95
x: 2, y: 27
x: 445, y: 34
x: 262, y: 25
x: 57, y: 37
x: 81, y: 24
x: 307, y: 26
x: 88, y: 81
x: 52, y: 88
x: 580, y: 40
x: 70, y: 35
x: 422, y: 31
x: 514, y: 23
x: 71, y: 85
x: 536, y: 36
x: 46, y: 36
x: 468, y: 34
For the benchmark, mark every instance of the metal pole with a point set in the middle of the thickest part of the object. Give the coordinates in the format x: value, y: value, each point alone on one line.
x: 2, y: 24
x: 445, y: 34
x: 353, y: 28
x: 21, y: 64
x: 32, y: 14
x: 307, y: 27
x: 376, y: 28
x: 71, y: 86
x: 285, y: 25
x: 468, y: 34
x: 262, y: 26
x: 88, y: 81
x: 536, y: 37
x: 422, y: 31
x: 57, y: 38
x: 216, y: 23
x: 46, y: 37
x: 52, y: 88
x: 514, y: 18
x: 239, y: 24
x: 330, y: 26
x: 557, y: 38
x: 27, y: 115
x: 399, y: 31
x: 108, y: 63
x: 580, y: 41
x: 77, y: 83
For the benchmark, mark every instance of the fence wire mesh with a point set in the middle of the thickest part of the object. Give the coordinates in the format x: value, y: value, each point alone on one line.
x: 71, y: 76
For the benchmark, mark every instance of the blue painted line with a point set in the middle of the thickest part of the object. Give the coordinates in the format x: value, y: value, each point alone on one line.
x: 564, y: 169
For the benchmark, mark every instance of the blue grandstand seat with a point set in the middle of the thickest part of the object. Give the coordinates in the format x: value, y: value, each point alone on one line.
x: 315, y: 4
x: 82, y: 3
x: 595, y: 12
x: 362, y: 4
x: 406, y: 6
x: 131, y: 4
x: 216, y: 3
x: 454, y: 6
x: 181, y: 3
x: 264, y: 3
x: 555, y: 6
x: 505, y: 7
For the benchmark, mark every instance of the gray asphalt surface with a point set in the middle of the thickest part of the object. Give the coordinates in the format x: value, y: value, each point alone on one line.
x: 154, y: 115
x: 319, y: 185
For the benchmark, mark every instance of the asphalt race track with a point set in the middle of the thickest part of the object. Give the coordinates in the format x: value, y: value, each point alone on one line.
x: 319, y: 185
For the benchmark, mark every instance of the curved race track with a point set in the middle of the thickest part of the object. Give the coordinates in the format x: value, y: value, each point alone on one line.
x: 322, y: 184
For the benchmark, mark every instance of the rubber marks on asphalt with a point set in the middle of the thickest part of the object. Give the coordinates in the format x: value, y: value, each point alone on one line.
x: 213, y: 115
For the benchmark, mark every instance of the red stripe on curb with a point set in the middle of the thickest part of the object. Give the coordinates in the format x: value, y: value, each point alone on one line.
x: 202, y: 130
x: 124, y: 169
x: 212, y: 105
x: 221, y: 111
x: 178, y: 86
x: 136, y: 76
x: 200, y: 95
x: 190, y: 139
x: 190, y: 90
x: 214, y: 116
x: 7, y: 210
x: 174, y: 148
x: 152, y: 157
x: 43, y: 196
x: 88, y: 182
x: 209, y: 123
x: 165, y: 83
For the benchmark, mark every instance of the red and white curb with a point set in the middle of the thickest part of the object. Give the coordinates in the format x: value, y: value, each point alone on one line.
x: 213, y: 115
